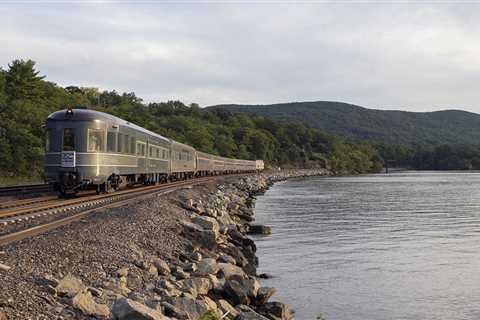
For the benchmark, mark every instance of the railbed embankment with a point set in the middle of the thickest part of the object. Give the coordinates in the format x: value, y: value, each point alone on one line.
x: 171, y: 257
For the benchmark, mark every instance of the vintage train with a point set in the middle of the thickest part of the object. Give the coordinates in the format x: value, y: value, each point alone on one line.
x: 88, y: 149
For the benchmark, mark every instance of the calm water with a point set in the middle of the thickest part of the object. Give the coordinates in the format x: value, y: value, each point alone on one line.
x: 398, y: 246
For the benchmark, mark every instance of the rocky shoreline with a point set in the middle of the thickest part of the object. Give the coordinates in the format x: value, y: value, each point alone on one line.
x: 182, y: 256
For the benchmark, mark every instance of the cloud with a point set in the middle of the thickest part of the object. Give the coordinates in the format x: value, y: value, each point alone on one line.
x: 405, y: 56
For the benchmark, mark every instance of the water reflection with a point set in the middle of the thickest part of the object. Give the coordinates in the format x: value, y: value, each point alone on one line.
x: 398, y: 246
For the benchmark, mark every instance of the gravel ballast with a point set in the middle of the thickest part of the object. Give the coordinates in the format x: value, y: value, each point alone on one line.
x: 175, y: 256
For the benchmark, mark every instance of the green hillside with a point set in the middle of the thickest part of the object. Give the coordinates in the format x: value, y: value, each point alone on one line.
x: 26, y: 99
x: 397, y: 127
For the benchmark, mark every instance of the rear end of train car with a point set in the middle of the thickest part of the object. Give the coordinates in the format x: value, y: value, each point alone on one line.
x: 87, y: 149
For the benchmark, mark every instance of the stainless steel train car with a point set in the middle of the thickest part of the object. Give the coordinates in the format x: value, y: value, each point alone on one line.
x: 90, y: 149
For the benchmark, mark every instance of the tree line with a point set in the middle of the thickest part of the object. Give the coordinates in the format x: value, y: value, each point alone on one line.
x: 27, y: 98
x: 436, y: 157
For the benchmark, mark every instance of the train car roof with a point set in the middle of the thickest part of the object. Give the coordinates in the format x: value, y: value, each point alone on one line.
x: 183, y: 145
x: 91, y: 115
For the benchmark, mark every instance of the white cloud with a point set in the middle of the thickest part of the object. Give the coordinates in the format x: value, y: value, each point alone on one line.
x: 410, y: 56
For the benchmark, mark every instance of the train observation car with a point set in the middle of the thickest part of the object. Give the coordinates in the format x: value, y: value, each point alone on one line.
x: 88, y: 149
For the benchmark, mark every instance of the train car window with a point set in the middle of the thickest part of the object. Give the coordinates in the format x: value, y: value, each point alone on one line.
x: 111, y: 141
x: 132, y: 145
x: 126, y: 144
x: 120, y: 142
x: 68, y: 139
x: 151, y: 151
x: 140, y: 149
x: 96, y: 140
x: 158, y: 153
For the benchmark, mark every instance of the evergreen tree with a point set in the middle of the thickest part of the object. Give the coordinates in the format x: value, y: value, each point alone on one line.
x: 23, y: 81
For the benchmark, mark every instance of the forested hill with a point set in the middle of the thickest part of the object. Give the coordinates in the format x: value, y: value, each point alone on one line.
x: 398, y: 127
x: 27, y: 98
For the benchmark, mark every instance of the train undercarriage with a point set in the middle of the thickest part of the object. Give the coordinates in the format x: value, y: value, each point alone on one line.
x: 69, y: 184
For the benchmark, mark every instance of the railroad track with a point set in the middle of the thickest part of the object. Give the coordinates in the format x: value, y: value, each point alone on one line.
x: 78, y: 208
x: 25, y: 202
x: 25, y: 189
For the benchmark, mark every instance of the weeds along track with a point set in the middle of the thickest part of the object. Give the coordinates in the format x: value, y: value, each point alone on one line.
x: 31, y: 219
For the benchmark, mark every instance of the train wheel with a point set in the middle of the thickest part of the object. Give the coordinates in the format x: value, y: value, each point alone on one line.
x: 65, y: 193
x: 105, y: 187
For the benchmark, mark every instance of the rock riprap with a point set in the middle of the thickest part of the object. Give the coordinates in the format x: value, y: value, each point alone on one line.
x: 172, y: 257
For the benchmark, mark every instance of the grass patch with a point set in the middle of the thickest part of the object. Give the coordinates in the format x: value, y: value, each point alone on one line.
x: 15, y: 181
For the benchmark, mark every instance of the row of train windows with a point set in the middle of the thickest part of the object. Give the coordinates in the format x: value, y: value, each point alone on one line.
x: 182, y: 156
x: 158, y: 153
x: 116, y: 142
x: 96, y: 141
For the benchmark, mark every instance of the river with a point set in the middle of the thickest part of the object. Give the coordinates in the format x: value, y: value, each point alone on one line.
x: 397, y: 246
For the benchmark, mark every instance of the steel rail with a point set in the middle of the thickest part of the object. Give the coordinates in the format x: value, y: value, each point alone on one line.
x: 141, y: 193
x: 62, y: 205
x: 26, y: 202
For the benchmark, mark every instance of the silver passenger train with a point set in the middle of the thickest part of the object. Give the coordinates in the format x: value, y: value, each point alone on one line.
x: 88, y: 149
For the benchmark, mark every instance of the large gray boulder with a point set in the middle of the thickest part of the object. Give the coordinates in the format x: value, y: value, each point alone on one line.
x: 192, y: 307
x: 207, y: 266
x: 264, y: 294
x: 84, y: 302
x: 226, y: 307
x: 126, y: 309
x: 237, y: 254
x: 201, y: 285
x: 230, y: 270
x: 276, y: 310
x: 172, y: 311
x: 207, y: 223
x: 259, y: 229
x: 205, y: 238
x: 162, y: 267
x: 225, y: 258
x: 241, y: 290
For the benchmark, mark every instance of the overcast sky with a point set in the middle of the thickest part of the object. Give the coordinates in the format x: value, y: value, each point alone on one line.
x: 406, y: 56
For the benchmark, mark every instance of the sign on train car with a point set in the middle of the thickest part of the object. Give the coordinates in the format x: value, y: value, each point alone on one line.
x: 68, y: 159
